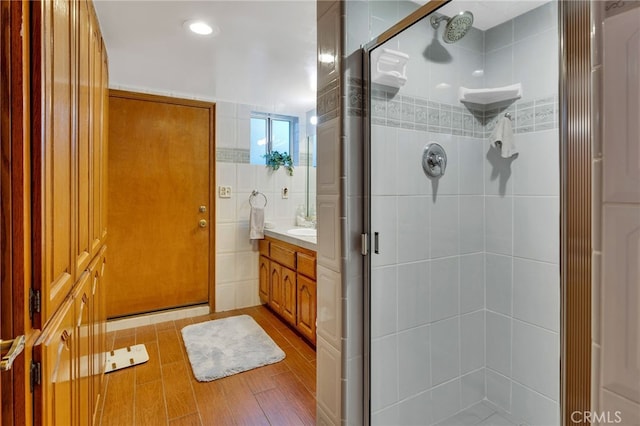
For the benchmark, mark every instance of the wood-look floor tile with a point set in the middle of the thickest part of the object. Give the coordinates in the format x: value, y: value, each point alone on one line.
x: 190, y: 420
x: 150, y: 405
x: 212, y: 403
x: 120, y: 394
x: 146, y: 333
x: 182, y: 323
x: 277, y: 408
x: 303, y: 347
x: 122, y: 341
x: 167, y: 325
x: 150, y: 370
x: 170, y: 346
x: 280, y: 394
x: 302, y: 368
x: 176, y: 378
x: 110, y: 339
x: 259, y: 379
x: 241, y: 401
x: 299, y: 397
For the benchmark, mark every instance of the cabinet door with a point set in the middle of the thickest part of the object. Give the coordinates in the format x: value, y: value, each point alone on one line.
x: 54, y: 158
x: 275, y: 282
x: 99, y: 323
x: 263, y: 279
x: 97, y: 173
x: 83, y: 169
x: 306, y: 308
x: 55, y: 352
x: 83, y: 333
x: 288, y: 295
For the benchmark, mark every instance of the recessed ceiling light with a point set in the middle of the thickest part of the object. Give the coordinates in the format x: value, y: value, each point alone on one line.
x: 201, y: 28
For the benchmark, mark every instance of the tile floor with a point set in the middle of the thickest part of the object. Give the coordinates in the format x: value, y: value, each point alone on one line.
x: 480, y: 414
x: 163, y: 391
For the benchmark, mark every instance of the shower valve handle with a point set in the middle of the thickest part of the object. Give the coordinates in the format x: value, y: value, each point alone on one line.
x: 434, y: 160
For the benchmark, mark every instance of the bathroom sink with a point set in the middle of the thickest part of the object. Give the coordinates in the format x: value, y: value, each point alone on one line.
x: 302, y: 232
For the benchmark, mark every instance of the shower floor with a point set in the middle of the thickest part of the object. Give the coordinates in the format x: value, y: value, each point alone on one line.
x: 480, y: 414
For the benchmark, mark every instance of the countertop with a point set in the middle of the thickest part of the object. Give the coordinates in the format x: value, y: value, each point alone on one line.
x: 281, y: 234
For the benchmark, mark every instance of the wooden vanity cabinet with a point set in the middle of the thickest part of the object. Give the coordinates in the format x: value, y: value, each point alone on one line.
x: 287, y: 284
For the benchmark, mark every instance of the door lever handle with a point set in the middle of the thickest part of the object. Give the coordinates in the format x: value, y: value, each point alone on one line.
x: 15, y: 348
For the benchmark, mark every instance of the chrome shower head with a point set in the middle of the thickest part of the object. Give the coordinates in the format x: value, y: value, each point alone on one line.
x: 457, y: 26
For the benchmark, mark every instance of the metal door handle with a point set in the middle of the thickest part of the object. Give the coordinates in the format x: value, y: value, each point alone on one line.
x: 15, y: 348
x: 202, y: 223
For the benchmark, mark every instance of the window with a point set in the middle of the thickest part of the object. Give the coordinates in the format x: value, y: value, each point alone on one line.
x: 272, y: 132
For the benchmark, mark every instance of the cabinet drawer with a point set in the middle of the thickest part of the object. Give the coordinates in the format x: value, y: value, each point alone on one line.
x: 283, y: 255
x: 263, y: 247
x: 307, y: 265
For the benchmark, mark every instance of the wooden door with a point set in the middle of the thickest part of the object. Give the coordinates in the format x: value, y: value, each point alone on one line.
x: 160, y: 169
x: 15, y: 201
x: 263, y: 279
x: 289, y: 295
x: 306, y: 303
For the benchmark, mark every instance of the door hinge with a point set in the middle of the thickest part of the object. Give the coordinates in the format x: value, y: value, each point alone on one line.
x: 364, y: 244
x: 35, y: 375
x: 34, y: 302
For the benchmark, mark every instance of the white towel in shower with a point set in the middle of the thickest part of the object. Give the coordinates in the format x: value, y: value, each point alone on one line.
x: 502, y: 138
x: 256, y: 223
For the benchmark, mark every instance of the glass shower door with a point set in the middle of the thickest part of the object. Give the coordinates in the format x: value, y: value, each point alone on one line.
x: 464, y: 276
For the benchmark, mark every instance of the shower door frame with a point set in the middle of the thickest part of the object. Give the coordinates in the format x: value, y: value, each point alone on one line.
x: 575, y: 216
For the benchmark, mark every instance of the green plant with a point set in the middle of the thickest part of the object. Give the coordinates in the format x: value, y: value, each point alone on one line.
x: 276, y: 159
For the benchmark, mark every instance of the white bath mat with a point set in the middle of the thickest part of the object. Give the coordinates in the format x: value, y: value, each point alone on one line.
x: 227, y: 346
x: 126, y: 357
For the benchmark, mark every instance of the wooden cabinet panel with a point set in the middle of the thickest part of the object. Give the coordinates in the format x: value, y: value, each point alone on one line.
x: 83, y: 169
x: 307, y: 265
x: 83, y: 386
x: 289, y: 292
x: 263, y: 247
x: 275, y: 286
x: 282, y: 254
x: 288, y: 288
x: 54, y: 159
x: 55, y: 351
x: 263, y: 279
x: 306, y: 308
x: 96, y: 141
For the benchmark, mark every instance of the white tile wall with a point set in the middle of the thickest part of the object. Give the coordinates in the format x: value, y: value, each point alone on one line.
x: 472, y: 342
x: 413, y: 294
x: 236, y: 255
x: 414, y: 373
x: 536, y: 293
x: 445, y: 350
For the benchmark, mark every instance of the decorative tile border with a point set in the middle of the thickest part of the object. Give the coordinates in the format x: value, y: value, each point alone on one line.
x: 328, y: 102
x: 406, y: 112
x: 232, y: 155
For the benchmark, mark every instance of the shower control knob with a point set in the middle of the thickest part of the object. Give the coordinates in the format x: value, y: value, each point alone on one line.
x: 434, y: 160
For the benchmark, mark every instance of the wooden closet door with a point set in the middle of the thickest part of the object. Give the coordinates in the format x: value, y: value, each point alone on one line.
x: 54, y: 156
x: 160, y: 174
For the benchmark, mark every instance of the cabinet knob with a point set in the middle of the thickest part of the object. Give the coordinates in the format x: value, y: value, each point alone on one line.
x: 202, y: 223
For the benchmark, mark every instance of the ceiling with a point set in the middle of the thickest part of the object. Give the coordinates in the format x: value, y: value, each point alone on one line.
x: 264, y: 55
